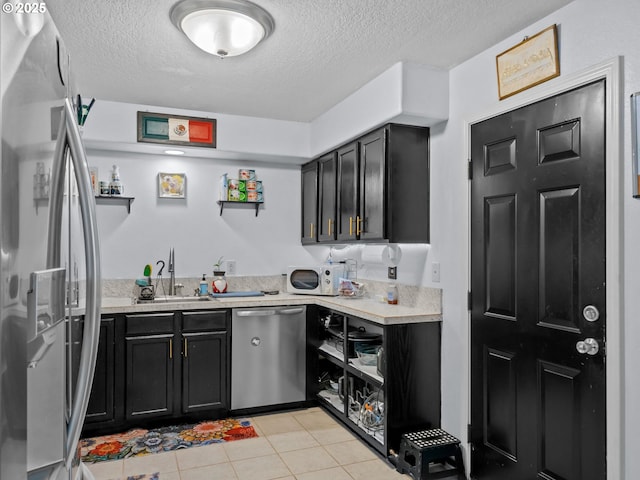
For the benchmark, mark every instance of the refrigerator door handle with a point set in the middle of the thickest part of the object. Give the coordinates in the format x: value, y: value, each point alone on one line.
x: 91, y: 334
x: 56, y: 188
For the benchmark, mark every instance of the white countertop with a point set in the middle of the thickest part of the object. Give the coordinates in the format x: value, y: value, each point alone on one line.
x: 366, y: 308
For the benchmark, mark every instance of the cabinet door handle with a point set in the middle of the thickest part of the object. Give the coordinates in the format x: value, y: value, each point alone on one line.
x: 311, y: 230
x: 350, y: 226
x: 171, y: 348
x: 186, y: 352
x: 358, y: 225
x: 329, y: 227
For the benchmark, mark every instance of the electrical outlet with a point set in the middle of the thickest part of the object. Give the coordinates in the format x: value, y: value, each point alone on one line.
x: 392, y: 272
x: 231, y: 267
x: 435, y: 272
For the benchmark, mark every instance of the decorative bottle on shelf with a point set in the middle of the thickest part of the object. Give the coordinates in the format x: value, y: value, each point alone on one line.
x: 115, y: 186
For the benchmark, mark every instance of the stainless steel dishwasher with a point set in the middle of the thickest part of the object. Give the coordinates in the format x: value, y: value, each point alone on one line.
x: 268, y: 359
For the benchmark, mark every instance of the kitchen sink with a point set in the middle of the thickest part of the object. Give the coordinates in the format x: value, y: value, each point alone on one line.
x: 175, y: 299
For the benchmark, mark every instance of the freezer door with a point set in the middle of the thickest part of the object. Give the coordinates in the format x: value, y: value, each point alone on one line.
x: 268, y: 360
x: 33, y: 93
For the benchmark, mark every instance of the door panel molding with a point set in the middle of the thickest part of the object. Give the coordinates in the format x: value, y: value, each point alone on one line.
x: 500, y: 257
x: 611, y: 70
x: 559, y: 142
x: 558, y: 259
x: 500, y: 430
x: 560, y: 424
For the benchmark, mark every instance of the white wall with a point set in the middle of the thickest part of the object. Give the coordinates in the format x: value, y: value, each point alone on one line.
x: 590, y: 32
x: 262, y: 245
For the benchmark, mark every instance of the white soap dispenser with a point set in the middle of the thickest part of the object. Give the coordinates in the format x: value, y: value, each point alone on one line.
x: 115, y: 186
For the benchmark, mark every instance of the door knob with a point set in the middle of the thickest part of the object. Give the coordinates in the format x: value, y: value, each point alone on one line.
x: 589, y: 346
x: 255, y: 341
x: 591, y: 313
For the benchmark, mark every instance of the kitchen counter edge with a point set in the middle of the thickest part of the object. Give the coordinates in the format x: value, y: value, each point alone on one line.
x: 368, y: 309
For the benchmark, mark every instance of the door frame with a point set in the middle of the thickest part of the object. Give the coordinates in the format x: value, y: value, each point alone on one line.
x: 611, y: 71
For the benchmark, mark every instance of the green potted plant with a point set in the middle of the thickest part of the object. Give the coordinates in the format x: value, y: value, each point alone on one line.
x: 217, y: 267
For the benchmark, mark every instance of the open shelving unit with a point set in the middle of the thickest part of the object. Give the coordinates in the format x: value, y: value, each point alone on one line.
x: 378, y: 406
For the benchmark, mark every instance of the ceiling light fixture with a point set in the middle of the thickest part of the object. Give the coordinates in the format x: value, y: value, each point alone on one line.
x: 225, y: 28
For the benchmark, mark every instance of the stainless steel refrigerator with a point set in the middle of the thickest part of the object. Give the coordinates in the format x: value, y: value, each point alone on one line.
x: 49, y: 254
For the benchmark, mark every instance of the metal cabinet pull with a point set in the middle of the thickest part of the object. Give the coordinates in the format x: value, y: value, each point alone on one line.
x: 311, y: 230
x: 186, y: 351
x: 350, y: 226
x: 171, y: 348
x: 358, y: 225
x: 329, y: 227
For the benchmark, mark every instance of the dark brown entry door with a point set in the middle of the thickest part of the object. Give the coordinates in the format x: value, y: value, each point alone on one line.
x: 537, y: 261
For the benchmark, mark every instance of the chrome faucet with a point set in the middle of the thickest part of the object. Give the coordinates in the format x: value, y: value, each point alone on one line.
x: 172, y: 272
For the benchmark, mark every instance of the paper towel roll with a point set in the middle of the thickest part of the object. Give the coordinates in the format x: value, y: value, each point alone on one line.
x: 387, y: 255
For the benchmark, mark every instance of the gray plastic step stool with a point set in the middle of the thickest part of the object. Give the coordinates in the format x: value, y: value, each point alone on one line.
x: 418, y: 450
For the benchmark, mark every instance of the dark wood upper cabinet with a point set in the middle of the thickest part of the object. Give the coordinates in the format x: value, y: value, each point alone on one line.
x: 347, y: 191
x: 381, y: 190
x: 371, y: 212
x: 309, y: 227
x: 407, y: 195
x: 327, y: 181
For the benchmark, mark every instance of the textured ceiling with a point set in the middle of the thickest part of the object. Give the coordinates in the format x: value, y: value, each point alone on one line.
x: 320, y: 52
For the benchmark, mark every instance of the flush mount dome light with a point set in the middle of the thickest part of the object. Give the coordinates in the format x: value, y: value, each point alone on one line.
x: 225, y: 28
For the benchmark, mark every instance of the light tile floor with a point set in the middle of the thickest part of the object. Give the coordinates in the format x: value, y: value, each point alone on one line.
x: 304, y: 445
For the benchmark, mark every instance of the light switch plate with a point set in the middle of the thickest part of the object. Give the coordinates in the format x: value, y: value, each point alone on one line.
x: 435, y: 272
x: 231, y: 267
x: 392, y: 272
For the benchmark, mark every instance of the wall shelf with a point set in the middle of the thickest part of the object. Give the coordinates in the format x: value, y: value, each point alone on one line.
x: 116, y: 200
x: 222, y: 203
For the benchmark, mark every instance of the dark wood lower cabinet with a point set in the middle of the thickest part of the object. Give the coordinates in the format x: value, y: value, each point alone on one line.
x: 101, y: 407
x: 102, y: 400
x: 205, y: 368
x: 149, y: 377
x: 149, y: 364
x: 160, y: 368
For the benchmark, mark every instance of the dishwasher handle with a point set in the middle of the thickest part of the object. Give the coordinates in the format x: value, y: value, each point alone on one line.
x: 290, y: 311
x: 255, y: 313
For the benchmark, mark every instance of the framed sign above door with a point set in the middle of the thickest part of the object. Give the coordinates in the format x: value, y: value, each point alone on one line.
x: 531, y: 62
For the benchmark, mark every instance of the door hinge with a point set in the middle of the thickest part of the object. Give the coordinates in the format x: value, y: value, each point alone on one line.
x: 469, y: 304
x: 470, y: 172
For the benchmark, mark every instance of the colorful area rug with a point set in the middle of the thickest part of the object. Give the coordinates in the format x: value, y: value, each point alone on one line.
x: 138, y: 442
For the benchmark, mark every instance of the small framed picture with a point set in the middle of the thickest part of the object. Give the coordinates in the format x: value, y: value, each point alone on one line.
x: 172, y: 185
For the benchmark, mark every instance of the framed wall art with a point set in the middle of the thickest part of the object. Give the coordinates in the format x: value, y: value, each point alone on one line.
x: 531, y: 62
x: 176, y: 130
x: 172, y: 185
